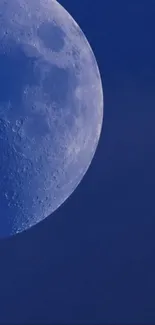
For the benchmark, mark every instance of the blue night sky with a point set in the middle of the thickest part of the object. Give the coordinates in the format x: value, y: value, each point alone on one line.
x: 92, y: 261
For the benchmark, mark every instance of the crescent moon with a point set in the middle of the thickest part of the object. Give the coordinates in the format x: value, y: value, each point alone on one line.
x: 51, y: 110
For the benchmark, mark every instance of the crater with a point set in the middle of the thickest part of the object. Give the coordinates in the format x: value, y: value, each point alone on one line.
x: 52, y: 36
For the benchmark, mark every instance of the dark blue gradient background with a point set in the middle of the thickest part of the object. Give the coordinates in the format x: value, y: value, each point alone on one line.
x: 93, y: 260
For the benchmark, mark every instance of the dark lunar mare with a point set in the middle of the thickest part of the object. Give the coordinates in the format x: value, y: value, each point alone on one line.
x: 52, y: 36
x: 16, y: 71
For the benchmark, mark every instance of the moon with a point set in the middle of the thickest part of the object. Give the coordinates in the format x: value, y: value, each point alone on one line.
x: 51, y: 110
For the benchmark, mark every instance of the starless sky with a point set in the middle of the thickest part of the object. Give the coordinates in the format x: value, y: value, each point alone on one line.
x: 92, y: 261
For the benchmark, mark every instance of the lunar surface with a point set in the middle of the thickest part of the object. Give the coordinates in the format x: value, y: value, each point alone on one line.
x: 51, y: 110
